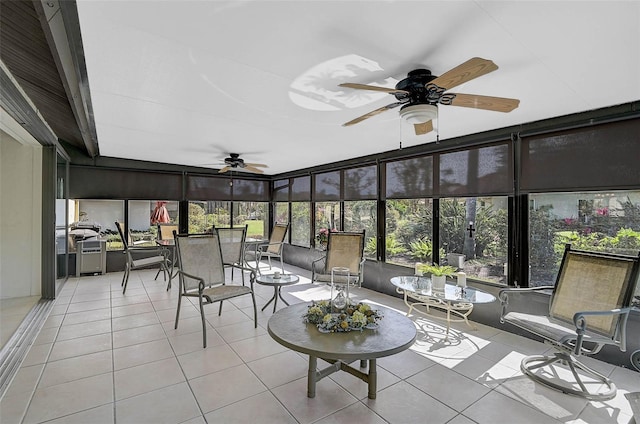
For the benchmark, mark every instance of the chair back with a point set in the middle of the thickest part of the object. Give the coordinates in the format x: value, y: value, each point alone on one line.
x: 277, y: 237
x: 125, y: 240
x: 593, y: 281
x: 345, y: 249
x: 200, y: 255
x: 232, y: 243
x: 165, y: 231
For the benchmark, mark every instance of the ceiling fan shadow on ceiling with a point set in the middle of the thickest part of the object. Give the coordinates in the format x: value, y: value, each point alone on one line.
x: 235, y: 163
x: 421, y: 92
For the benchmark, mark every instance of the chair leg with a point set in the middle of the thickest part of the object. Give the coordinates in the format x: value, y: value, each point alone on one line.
x: 220, y: 309
x: 125, y: 278
x: 255, y: 311
x: 204, y: 325
x: 607, y: 387
x: 175, y: 327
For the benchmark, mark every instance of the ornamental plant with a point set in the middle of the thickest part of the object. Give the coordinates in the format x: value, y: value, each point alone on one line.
x: 438, y: 270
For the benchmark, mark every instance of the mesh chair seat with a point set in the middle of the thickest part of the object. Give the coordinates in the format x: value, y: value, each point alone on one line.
x: 551, y: 329
x: 225, y: 292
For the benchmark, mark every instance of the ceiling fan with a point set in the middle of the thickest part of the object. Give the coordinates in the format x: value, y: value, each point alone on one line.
x: 420, y: 93
x: 234, y: 162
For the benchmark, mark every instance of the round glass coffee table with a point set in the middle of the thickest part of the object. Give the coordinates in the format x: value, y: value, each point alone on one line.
x: 276, y: 283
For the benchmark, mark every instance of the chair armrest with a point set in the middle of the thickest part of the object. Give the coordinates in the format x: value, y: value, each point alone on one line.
x: 503, y: 295
x: 193, y: 277
x: 315, y: 262
x: 580, y: 321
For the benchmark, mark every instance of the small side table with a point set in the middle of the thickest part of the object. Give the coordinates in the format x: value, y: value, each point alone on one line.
x: 277, y: 283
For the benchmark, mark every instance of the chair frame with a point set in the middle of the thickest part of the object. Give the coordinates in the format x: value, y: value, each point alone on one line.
x: 272, y: 249
x: 319, y: 266
x: 160, y: 258
x: 205, y: 294
x: 234, y: 262
x: 572, y: 330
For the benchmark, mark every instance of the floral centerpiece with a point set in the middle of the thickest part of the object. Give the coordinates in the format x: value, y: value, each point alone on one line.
x: 353, y: 317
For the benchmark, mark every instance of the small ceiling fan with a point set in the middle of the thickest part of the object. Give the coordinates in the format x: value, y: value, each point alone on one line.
x: 420, y: 93
x: 233, y: 162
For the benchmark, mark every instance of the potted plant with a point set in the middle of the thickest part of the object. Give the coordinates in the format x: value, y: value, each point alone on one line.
x: 439, y: 274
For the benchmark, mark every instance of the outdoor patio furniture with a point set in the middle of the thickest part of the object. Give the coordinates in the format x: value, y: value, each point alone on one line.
x: 142, y: 257
x: 272, y: 249
x: 232, y: 244
x: 588, y: 309
x: 344, y: 250
x: 201, y: 275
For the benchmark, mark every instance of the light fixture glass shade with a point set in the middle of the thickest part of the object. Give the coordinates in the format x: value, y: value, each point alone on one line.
x: 419, y: 114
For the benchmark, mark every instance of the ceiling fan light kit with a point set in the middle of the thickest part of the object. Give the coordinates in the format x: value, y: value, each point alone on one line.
x: 419, y: 114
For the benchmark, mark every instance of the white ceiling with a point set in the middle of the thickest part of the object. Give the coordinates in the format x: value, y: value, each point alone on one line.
x: 187, y: 82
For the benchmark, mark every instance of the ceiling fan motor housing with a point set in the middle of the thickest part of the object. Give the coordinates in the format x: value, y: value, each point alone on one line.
x: 416, y: 84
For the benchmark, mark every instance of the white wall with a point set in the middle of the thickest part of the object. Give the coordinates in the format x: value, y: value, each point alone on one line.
x: 20, y: 218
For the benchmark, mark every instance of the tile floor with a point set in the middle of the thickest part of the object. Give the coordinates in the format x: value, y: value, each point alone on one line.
x: 12, y: 312
x: 104, y: 357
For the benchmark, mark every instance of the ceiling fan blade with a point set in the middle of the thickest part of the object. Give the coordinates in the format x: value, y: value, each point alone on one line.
x: 256, y: 165
x: 472, y: 68
x: 498, y: 104
x: 372, y: 113
x: 248, y: 167
x: 372, y: 88
x: 425, y: 127
x: 223, y: 170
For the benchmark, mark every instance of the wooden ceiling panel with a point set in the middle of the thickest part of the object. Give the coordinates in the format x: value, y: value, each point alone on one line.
x: 28, y: 57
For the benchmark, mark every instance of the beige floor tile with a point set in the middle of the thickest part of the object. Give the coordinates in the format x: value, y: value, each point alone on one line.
x: 209, y: 360
x: 241, y: 331
x: 100, y: 415
x: 86, y: 316
x: 68, y: 398
x: 405, y: 363
x: 355, y: 413
x: 25, y: 380
x: 13, y: 407
x: 403, y: 403
x: 84, y: 329
x: 495, y: 407
x: 245, y: 411
x: 137, y: 335
x: 257, y: 347
x: 449, y: 387
x: 38, y: 354
x: 75, y: 368
x: 136, y: 308
x: 88, y: 306
x: 143, y: 353
x: 191, y: 342
x: 212, y: 391
x: 132, y: 321
x: 80, y: 346
x: 281, y: 368
x: 359, y: 388
x: 173, y: 404
x: 330, y: 398
x: 147, y: 377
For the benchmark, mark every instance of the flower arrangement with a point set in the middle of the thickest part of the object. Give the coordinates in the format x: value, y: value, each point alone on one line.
x: 323, y: 236
x: 354, y: 317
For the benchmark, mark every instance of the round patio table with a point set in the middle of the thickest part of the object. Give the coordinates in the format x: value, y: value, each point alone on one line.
x: 394, y: 334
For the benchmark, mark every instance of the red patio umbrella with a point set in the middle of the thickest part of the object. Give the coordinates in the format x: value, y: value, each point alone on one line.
x: 160, y: 214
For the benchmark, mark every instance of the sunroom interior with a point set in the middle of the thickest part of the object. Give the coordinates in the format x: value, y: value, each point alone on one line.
x: 114, y: 110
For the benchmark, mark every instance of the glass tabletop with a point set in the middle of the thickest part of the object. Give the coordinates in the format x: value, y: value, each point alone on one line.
x: 422, y: 286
